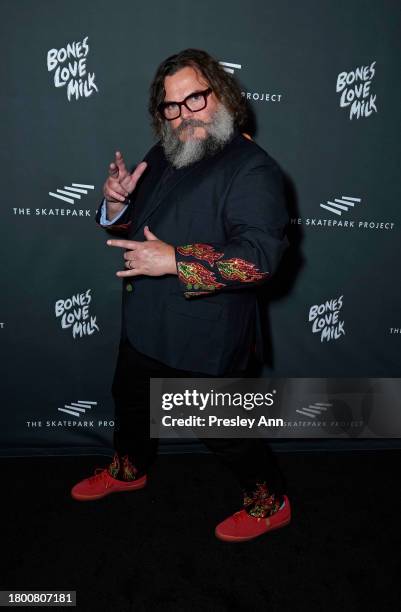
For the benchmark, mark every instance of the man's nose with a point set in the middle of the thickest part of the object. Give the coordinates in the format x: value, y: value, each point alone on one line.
x: 186, y: 113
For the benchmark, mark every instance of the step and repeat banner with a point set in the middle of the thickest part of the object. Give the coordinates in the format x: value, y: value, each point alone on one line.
x: 321, y: 81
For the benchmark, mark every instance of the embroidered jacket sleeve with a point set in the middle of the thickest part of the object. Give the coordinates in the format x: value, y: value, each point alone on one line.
x: 255, y: 217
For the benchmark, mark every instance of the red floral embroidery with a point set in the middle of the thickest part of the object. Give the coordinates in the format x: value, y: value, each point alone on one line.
x: 200, y: 251
x: 261, y: 503
x: 196, y: 276
x: 240, y: 269
x: 129, y: 471
x: 114, y: 466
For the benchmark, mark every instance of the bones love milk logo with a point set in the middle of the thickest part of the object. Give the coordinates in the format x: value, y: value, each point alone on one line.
x: 325, y: 319
x: 354, y: 90
x: 68, y: 65
x: 73, y: 314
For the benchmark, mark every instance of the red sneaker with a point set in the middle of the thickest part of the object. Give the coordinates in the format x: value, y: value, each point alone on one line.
x: 102, y: 484
x: 242, y: 526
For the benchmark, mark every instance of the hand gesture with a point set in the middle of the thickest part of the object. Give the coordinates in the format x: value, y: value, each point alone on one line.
x: 120, y: 183
x: 151, y: 257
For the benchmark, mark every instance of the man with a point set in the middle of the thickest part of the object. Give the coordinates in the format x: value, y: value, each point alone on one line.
x: 215, y: 203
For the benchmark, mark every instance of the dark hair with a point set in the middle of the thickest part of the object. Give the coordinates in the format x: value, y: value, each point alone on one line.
x: 224, y: 86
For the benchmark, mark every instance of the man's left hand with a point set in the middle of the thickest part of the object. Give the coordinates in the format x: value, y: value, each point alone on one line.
x: 153, y: 257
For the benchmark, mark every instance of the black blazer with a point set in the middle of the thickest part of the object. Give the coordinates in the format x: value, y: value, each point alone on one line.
x: 226, y: 216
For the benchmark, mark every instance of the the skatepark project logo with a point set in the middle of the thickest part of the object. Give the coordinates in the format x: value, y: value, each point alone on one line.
x: 81, y: 418
x: 314, y: 410
x: 71, y: 194
x: 70, y: 71
x: 349, y: 206
x: 354, y: 90
x: 340, y: 205
x: 230, y: 67
x: 73, y: 314
x: 325, y: 319
x: 254, y: 96
x: 78, y: 408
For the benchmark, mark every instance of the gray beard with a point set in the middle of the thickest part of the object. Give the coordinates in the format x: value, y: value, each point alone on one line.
x: 183, y: 153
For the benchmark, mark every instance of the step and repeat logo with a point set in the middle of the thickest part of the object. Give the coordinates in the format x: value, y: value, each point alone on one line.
x: 342, y: 416
x: 253, y: 96
x: 69, y: 69
x: 73, y: 315
x: 314, y: 410
x: 71, y: 193
x: 326, y: 321
x: 74, y: 195
x: 230, y: 67
x: 354, y: 89
x: 340, y: 205
x: 78, y: 408
x: 78, y: 415
x: 344, y: 211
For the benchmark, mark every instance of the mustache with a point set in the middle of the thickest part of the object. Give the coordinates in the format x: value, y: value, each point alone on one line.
x: 190, y: 123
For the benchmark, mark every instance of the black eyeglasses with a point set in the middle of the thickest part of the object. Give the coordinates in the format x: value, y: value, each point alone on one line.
x: 195, y: 102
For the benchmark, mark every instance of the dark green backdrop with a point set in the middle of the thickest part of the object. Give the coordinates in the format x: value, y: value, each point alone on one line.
x: 288, y: 58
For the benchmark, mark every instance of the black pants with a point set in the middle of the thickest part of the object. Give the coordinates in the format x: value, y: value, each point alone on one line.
x: 250, y: 459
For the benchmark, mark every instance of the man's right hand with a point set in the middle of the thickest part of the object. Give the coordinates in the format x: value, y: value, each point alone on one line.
x: 120, y: 183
